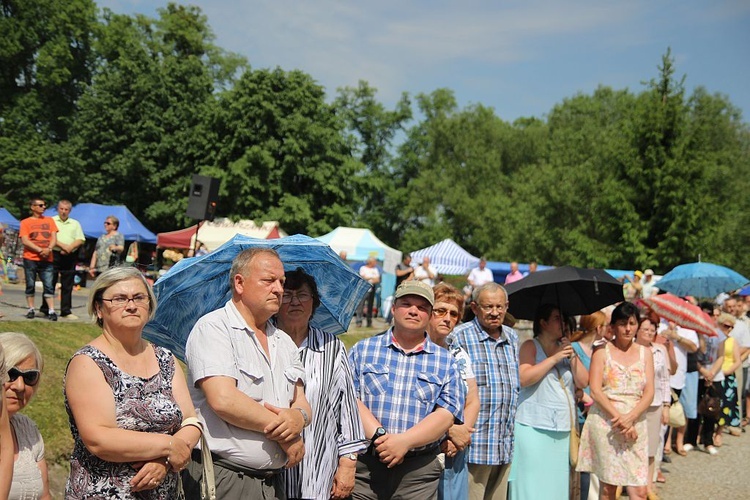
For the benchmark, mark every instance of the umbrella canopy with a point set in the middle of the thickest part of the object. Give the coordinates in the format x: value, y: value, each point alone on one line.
x: 200, y: 285
x: 701, y: 279
x: 573, y: 289
x: 682, y: 313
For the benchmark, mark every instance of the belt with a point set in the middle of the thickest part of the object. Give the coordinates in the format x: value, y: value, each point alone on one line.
x: 432, y: 450
x: 235, y: 467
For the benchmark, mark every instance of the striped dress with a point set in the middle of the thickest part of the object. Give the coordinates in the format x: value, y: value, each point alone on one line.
x: 336, y: 428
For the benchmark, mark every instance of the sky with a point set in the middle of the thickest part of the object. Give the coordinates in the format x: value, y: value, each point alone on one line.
x: 519, y: 57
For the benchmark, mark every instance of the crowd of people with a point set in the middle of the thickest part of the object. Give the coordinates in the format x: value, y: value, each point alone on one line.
x: 430, y: 408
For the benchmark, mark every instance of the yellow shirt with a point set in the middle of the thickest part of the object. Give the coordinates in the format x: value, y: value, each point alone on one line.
x: 728, y: 354
x: 68, y: 231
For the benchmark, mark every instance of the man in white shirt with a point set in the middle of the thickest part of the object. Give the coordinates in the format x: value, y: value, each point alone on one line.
x: 685, y: 341
x: 370, y: 273
x: 480, y: 275
x: 425, y: 272
x: 741, y: 333
x: 648, y: 287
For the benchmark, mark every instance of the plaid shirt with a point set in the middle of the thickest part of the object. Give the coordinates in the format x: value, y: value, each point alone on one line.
x: 401, y: 388
x: 495, y: 364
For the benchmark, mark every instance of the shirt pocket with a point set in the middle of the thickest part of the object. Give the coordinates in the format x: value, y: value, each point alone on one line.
x: 375, y: 379
x: 428, y: 388
x: 481, y: 372
x: 251, y: 383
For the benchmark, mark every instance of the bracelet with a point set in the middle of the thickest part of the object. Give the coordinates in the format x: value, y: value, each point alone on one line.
x: 169, y: 452
x: 305, y: 416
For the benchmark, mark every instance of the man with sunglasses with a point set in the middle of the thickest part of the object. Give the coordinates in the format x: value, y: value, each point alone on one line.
x: 493, y: 350
x: 39, y: 235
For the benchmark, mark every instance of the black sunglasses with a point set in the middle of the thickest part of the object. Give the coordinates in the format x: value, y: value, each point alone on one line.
x: 30, y: 377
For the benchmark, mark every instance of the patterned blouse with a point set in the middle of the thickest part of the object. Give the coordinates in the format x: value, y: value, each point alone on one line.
x: 141, y: 404
x: 336, y: 428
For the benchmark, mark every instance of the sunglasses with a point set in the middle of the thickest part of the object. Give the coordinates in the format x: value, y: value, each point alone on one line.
x: 440, y: 312
x: 39, y: 204
x: 30, y: 377
x: 727, y: 326
x: 107, y: 223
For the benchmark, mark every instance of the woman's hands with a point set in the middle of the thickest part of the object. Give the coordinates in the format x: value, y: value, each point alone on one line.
x: 150, y: 474
x: 565, y: 350
x: 179, y: 454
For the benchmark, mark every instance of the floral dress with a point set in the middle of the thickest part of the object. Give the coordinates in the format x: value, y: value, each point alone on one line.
x: 604, y: 451
x: 141, y: 404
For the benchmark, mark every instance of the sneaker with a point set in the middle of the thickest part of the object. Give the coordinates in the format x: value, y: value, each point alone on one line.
x: 712, y: 450
x: 30, y: 314
x: 70, y: 316
x: 52, y: 316
x: 688, y: 447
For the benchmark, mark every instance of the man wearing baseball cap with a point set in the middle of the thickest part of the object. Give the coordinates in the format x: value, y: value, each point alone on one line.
x: 409, y: 393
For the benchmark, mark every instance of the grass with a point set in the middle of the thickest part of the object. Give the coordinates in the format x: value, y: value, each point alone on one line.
x: 57, y: 342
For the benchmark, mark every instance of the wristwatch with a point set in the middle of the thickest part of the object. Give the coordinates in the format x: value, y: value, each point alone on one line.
x: 305, y: 416
x: 352, y: 456
x: 380, y: 431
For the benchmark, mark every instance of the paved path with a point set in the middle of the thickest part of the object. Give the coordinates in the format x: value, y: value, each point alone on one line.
x: 13, y: 303
x: 700, y: 476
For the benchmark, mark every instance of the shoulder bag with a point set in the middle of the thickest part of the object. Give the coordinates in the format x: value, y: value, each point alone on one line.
x: 676, y: 413
x: 208, y: 481
x: 574, y: 436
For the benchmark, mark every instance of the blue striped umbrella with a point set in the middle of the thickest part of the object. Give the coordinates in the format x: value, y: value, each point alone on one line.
x: 196, y: 286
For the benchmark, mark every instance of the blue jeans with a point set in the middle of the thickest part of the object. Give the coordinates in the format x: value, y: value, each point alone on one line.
x: 46, y: 273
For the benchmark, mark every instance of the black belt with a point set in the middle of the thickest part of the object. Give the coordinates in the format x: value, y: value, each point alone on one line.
x: 418, y: 453
x: 235, y: 467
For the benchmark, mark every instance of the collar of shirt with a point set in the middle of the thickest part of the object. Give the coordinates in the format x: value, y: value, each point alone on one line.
x: 236, y: 321
x: 486, y: 336
x: 425, y: 346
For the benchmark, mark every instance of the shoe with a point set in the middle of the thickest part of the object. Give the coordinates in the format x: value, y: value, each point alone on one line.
x: 70, y: 317
x: 712, y: 450
x: 660, y: 477
x: 652, y: 496
x: 681, y: 452
x: 666, y: 459
x: 52, y: 316
x: 30, y: 314
x: 735, y: 431
x: 688, y: 447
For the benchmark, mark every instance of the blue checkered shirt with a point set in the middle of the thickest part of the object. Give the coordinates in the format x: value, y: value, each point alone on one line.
x: 495, y: 365
x: 400, y: 388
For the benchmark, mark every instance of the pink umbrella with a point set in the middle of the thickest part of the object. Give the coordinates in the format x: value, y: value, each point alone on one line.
x: 682, y: 313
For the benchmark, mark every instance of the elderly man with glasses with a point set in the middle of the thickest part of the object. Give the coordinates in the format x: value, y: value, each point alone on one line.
x: 39, y: 235
x: 493, y: 349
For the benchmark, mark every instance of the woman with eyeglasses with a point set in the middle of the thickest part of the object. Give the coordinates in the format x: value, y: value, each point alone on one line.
x: 335, y: 435
x: 110, y: 244
x: 448, y: 309
x: 30, y: 480
x: 550, y: 372
x: 730, y: 409
x: 126, y: 400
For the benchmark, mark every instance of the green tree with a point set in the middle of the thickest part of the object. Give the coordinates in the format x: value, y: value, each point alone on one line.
x: 280, y: 153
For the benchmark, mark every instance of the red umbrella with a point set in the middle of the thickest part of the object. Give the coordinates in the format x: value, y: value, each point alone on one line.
x: 682, y: 313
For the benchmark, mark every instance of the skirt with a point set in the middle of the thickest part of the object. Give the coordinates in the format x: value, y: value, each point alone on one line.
x: 689, y: 395
x: 653, y: 420
x: 539, y: 454
x: 730, y: 408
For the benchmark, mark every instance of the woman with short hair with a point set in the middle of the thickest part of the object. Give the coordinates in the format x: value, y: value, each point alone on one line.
x: 108, y: 245
x: 126, y: 400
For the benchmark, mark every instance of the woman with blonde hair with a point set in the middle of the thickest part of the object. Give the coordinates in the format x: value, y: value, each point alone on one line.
x: 126, y: 400
x: 6, y: 436
x: 730, y: 409
x: 30, y: 478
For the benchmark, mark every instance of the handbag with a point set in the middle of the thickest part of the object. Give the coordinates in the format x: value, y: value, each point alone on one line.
x: 574, y: 436
x: 676, y: 413
x: 710, y: 406
x: 208, y: 481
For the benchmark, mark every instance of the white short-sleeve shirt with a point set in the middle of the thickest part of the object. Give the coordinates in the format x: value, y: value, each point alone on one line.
x: 221, y: 344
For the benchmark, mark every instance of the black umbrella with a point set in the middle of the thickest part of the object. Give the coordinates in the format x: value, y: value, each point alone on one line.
x: 573, y: 289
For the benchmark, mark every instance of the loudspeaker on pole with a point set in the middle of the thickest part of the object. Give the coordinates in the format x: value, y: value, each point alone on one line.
x: 203, y: 197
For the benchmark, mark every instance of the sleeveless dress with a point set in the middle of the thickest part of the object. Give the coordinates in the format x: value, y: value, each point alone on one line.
x: 604, y: 451
x: 141, y: 404
x: 730, y: 408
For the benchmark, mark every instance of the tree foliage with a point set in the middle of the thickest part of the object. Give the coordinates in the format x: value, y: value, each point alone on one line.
x: 109, y: 108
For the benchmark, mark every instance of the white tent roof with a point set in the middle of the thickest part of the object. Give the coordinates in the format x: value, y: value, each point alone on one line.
x: 217, y: 232
x: 447, y: 257
x: 359, y: 244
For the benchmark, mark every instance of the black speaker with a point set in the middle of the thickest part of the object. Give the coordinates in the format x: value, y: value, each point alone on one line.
x: 202, y: 199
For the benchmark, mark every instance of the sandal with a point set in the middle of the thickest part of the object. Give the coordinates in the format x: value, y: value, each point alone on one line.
x: 744, y: 422
x: 667, y: 451
x: 681, y: 452
x: 660, y: 477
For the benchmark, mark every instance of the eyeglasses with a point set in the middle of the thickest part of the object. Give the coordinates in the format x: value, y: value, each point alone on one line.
x: 440, y: 312
x: 489, y: 308
x: 30, y: 377
x: 107, y: 223
x: 121, y: 300
x: 302, y: 297
x: 39, y: 205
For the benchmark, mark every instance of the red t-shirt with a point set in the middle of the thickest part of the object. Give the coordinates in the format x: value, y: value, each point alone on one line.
x: 39, y: 230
